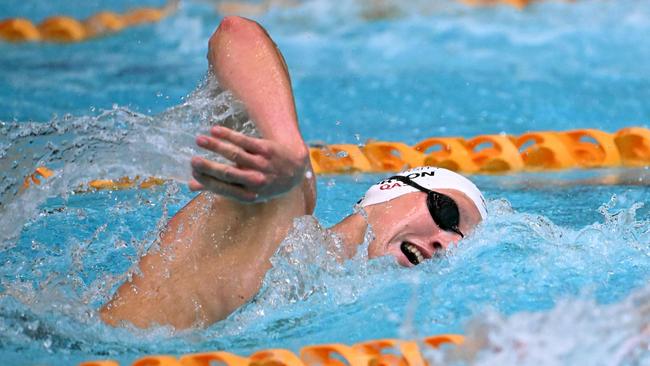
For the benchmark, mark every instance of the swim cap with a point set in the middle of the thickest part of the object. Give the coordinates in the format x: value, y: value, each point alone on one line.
x: 428, y: 177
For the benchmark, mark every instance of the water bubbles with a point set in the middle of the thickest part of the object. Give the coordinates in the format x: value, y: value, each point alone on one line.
x: 47, y: 343
x: 32, y: 325
x: 81, y: 214
x: 599, y: 335
x: 120, y: 244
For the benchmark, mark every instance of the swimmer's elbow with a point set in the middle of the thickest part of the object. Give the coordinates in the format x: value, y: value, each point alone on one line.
x: 231, y: 26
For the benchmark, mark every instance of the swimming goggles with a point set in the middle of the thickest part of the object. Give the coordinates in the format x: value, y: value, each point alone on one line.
x: 442, y: 208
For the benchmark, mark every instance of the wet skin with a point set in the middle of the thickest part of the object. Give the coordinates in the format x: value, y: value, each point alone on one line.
x: 214, y: 253
x: 406, y: 219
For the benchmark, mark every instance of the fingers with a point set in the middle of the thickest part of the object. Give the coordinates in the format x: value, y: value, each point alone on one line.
x: 231, y: 152
x: 228, y: 173
x: 235, y: 153
x: 242, y: 181
x: 195, y: 185
x: 206, y: 182
x: 250, y: 144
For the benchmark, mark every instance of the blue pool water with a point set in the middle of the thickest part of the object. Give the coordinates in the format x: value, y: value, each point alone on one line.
x: 557, y: 275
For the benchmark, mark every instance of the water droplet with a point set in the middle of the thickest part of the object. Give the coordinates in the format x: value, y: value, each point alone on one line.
x: 159, y: 94
x: 342, y: 154
x: 120, y: 244
x: 32, y: 325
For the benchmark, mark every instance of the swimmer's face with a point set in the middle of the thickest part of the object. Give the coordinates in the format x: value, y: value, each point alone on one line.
x: 403, y: 227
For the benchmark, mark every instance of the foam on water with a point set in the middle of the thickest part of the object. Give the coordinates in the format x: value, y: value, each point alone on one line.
x: 118, y: 142
x: 573, y: 332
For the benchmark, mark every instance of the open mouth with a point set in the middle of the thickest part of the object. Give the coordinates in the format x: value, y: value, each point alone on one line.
x: 412, y: 253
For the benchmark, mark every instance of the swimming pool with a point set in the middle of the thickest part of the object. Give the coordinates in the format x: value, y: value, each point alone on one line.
x: 557, y: 275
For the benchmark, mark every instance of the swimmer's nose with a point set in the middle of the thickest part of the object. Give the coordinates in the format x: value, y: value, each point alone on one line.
x: 437, y: 246
x: 440, y: 244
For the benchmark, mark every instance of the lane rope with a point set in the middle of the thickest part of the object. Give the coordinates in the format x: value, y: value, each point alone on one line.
x: 381, y: 352
x: 484, y: 154
x: 519, y: 4
x: 492, y: 154
x: 64, y: 29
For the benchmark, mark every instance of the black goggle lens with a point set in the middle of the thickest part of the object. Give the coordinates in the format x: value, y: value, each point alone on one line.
x: 444, y: 212
x: 442, y: 208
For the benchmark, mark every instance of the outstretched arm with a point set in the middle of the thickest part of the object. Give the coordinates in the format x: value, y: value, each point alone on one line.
x: 247, y: 62
x: 215, y: 252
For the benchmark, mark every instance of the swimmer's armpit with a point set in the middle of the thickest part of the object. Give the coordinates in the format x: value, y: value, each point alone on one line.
x: 262, y: 168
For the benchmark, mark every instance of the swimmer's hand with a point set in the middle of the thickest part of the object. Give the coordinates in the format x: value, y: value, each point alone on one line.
x: 262, y: 168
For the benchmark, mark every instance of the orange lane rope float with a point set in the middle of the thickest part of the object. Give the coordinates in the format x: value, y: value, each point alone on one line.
x: 67, y: 29
x: 382, y: 352
x: 485, y: 154
x: 519, y: 4
x: 33, y: 178
x: 493, y: 154
x: 373, y: 10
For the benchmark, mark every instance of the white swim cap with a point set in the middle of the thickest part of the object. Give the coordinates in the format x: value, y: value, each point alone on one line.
x: 428, y: 177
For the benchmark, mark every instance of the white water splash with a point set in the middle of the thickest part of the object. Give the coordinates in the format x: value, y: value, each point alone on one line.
x: 114, y: 144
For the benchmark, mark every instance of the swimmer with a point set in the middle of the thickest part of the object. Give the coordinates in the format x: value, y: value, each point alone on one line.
x: 214, y: 253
